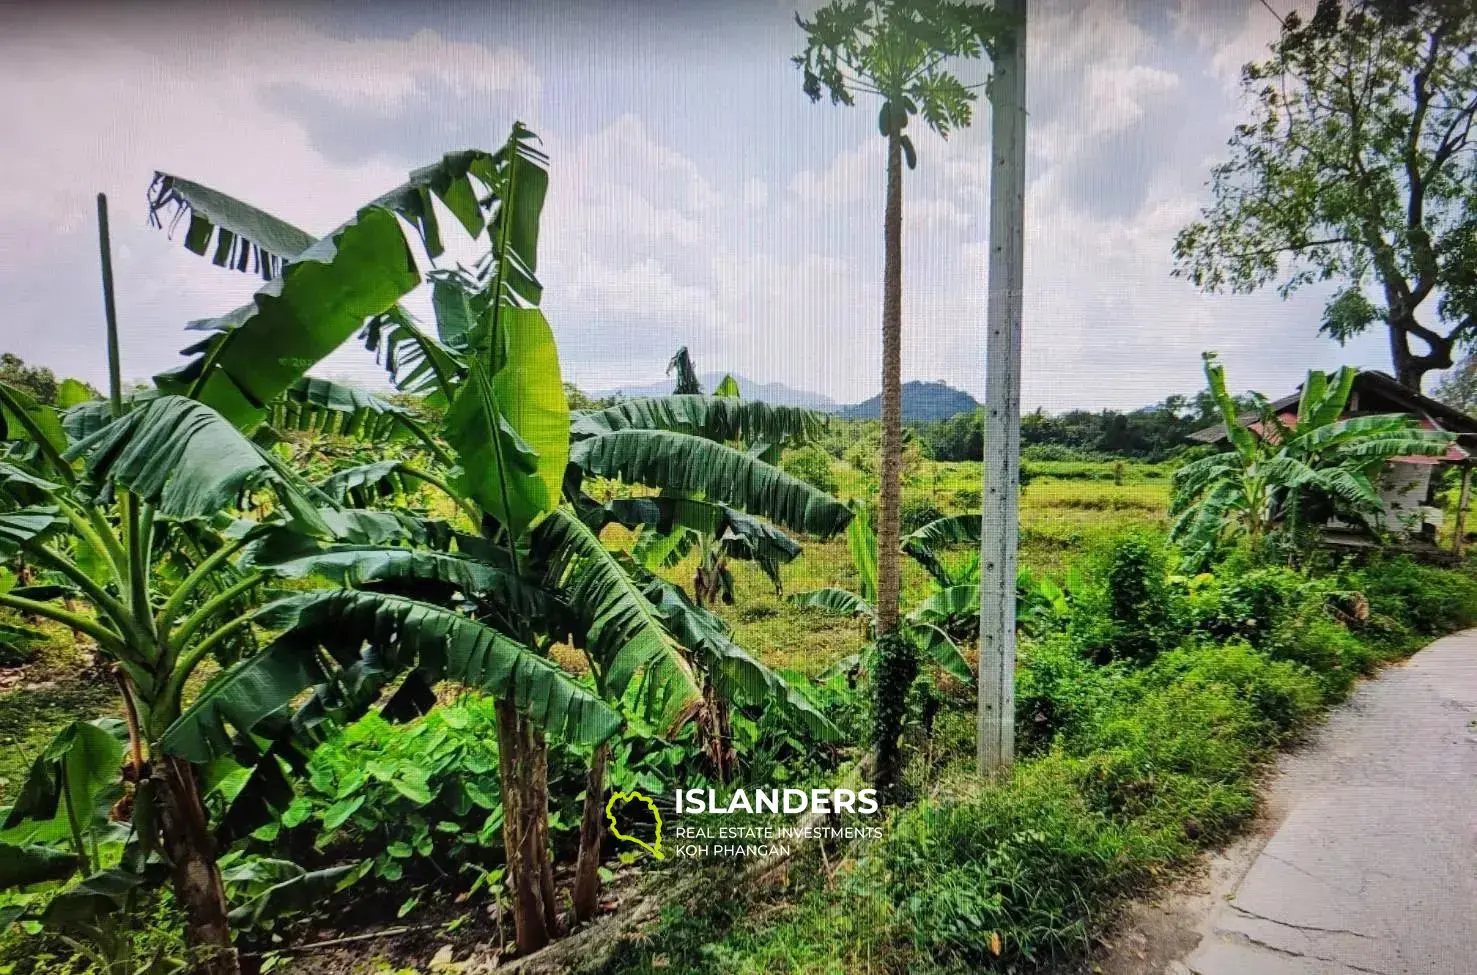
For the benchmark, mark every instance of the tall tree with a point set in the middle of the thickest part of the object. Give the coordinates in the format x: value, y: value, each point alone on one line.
x: 899, y: 51
x: 1357, y: 165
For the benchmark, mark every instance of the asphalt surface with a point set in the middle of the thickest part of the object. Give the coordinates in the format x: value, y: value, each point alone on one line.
x: 1374, y: 870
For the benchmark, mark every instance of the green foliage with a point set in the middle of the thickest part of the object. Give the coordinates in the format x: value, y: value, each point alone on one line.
x: 917, y: 512
x: 1145, y: 769
x: 421, y: 795
x: 687, y: 382
x: 813, y: 466
x: 1351, y: 169
x: 896, y: 50
x: 679, y: 462
x: 319, y: 296
x: 37, y: 382
x: 1272, y: 475
x: 1426, y: 599
x: 892, y: 680
x: 1138, y: 597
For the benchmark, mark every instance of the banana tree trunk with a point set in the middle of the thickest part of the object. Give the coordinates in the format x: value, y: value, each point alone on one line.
x: 716, y: 728
x: 889, y: 528
x: 522, y: 812
x: 537, y: 748
x: 592, y: 832
x: 197, y: 878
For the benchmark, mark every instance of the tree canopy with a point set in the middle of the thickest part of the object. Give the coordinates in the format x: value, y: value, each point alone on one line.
x: 1356, y: 166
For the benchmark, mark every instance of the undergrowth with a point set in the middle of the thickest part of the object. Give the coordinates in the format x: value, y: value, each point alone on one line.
x: 1143, y: 721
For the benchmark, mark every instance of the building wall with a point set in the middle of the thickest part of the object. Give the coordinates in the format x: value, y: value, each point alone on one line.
x: 1403, y: 489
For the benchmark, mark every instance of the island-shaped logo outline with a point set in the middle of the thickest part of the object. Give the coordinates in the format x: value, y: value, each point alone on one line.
x: 632, y: 796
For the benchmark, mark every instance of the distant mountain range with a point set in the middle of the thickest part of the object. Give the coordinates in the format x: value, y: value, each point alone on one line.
x: 776, y: 393
x: 922, y: 401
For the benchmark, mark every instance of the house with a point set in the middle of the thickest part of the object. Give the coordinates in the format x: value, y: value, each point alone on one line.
x: 1408, y: 485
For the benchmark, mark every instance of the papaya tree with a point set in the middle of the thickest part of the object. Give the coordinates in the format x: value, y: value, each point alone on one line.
x: 900, y: 52
x: 931, y: 625
x: 488, y: 599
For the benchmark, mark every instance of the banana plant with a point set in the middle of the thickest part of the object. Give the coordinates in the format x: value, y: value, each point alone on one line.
x: 1273, y: 471
x: 63, y: 850
x: 489, y: 597
x: 682, y: 520
x: 935, y: 621
x: 710, y: 459
x: 137, y: 506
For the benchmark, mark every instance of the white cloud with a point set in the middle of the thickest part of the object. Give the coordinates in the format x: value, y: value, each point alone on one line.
x: 657, y: 232
x: 855, y: 174
x: 756, y: 193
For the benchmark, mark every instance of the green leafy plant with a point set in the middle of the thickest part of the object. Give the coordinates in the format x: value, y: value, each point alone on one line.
x: 1272, y: 471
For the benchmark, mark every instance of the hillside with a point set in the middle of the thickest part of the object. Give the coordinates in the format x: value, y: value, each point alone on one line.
x: 922, y: 402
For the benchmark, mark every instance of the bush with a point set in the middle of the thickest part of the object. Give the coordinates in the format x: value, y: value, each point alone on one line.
x: 1012, y: 868
x: 812, y: 465
x: 1058, y: 691
x: 1312, y: 638
x: 968, y: 499
x: 1137, y: 601
x: 916, y: 512
x: 1246, y: 603
x: 1428, y: 600
x: 415, y: 794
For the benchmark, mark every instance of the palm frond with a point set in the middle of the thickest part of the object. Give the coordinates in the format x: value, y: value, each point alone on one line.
x: 692, y: 465
x: 722, y: 418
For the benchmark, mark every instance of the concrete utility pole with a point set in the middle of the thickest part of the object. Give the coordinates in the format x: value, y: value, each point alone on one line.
x: 999, y: 531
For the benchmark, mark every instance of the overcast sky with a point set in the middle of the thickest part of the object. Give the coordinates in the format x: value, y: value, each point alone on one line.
x: 697, y: 196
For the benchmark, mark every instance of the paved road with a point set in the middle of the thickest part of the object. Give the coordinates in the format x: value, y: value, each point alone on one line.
x: 1375, y: 868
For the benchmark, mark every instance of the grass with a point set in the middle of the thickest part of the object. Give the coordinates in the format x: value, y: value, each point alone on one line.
x: 1127, y: 771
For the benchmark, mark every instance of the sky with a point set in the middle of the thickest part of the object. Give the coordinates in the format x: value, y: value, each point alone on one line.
x: 697, y: 197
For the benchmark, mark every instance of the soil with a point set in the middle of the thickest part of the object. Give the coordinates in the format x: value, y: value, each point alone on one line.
x: 440, y: 935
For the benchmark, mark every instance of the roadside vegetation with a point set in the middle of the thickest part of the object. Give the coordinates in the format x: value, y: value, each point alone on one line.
x: 298, y: 677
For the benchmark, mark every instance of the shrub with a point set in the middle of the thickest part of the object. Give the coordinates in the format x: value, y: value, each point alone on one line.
x: 1137, y: 600
x: 1424, y: 598
x: 414, y: 794
x: 812, y: 465
x: 1012, y: 868
x: 1058, y: 691
x: 968, y: 499
x: 916, y: 512
x: 1283, y: 695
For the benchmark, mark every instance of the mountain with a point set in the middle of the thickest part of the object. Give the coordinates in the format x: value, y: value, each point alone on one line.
x: 776, y: 393
x: 922, y: 403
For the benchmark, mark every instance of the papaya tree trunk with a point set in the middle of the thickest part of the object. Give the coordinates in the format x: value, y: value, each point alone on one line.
x: 889, y: 528
x: 520, y: 831
x: 592, y: 833
x: 197, y: 878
